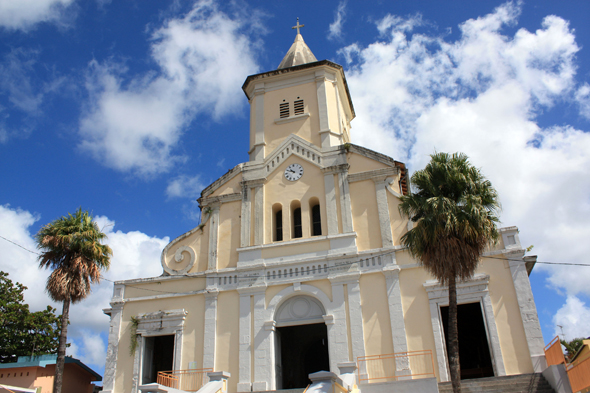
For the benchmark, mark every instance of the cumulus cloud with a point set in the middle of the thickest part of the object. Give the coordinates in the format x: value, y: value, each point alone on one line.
x: 574, y: 318
x: 24, y: 14
x: 134, y: 125
x: 415, y: 93
x: 135, y: 255
x: 185, y: 186
x: 335, y: 29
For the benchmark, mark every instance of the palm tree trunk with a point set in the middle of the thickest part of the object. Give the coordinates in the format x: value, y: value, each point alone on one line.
x: 61, y: 351
x: 454, y: 337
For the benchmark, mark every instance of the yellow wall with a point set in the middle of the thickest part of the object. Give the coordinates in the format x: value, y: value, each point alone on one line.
x: 274, y: 133
x: 517, y: 359
x: 193, y: 334
x: 365, y: 216
x: 227, y: 343
x: 280, y: 190
x: 228, y: 235
x: 359, y: 163
x: 375, y: 311
x: 232, y: 186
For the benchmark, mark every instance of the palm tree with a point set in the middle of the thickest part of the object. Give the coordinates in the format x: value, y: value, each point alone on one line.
x: 71, y: 247
x: 455, y: 211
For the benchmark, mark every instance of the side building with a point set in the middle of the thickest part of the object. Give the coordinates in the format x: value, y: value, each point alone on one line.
x: 298, y: 265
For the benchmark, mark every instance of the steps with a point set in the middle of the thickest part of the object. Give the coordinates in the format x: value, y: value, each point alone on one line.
x: 283, y: 391
x: 524, y: 383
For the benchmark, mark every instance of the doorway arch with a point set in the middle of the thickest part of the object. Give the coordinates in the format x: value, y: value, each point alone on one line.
x: 301, y: 341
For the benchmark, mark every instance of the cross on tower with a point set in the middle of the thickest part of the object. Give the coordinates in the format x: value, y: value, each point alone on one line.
x: 298, y: 26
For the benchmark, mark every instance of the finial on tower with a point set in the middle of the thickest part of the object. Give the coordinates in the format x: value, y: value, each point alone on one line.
x: 298, y: 26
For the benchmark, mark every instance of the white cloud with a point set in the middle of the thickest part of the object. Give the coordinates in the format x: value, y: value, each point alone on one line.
x: 135, y: 255
x: 185, y: 187
x: 201, y: 60
x: 481, y: 95
x: 583, y: 99
x: 24, y: 14
x: 574, y: 318
x: 335, y: 29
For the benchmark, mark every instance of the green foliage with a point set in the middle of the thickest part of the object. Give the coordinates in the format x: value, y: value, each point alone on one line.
x: 22, y: 332
x: 71, y: 247
x: 456, y: 211
x: 572, y: 347
x: 134, y: 336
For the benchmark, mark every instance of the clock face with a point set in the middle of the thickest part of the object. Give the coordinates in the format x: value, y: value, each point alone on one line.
x: 294, y: 172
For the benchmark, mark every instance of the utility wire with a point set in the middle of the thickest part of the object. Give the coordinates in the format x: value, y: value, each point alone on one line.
x: 329, y: 268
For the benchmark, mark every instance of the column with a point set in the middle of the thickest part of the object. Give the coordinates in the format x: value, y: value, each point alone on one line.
x: 383, y: 209
x: 331, y: 208
x: 245, y: 220
x: 116, y: 314
x: 245, y: 367
x: 257, y: 151
x: 263, y: 354
x: 337, y: 328
x: 345, y: 208
x: 528, y: 312
x: 258, y: 214
x: 323, y: 108
x: 210, y: 328
x: 213, y: 231
x: 396, y: 315
x: 356, y: 319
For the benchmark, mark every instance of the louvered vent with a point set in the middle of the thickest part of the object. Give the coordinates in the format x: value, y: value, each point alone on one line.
x: 284, y: 110
x: 299, y: 107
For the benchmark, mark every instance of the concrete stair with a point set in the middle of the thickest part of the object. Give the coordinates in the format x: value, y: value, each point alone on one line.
x: 524, y: 383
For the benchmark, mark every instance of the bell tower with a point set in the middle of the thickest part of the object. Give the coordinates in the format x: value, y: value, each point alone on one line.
x: 304, y: 97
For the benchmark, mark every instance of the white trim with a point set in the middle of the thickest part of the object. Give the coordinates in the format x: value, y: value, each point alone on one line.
x: 330, y: 204
x: 159, y: 323
x: 210, y: 336
x: 472, y: 291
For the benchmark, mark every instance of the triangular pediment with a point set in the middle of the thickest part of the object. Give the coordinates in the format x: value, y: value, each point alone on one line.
x: 293, y: 145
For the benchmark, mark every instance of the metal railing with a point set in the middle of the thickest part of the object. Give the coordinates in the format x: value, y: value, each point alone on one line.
x: 554, y: 353
x: 187, y: 380
x: 395, y: 366
x: 579, y: 374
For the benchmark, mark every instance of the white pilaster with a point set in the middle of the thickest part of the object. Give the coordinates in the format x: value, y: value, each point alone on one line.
x: 258, y: 215
x: 337, y: 329
x: 210, y: 329
x: 356, y: 319
x: 323, y: 108
x: 396, y: 315
x: 213, y: 232
x: 257, y: 151
x: 345, y: 208
x: 383, y: 209
x: 263, y: 354
x: 116, y: 314
x: 528, y: 312
x: 331, y: 208
x: 245, y: 219
x: 245, y: 367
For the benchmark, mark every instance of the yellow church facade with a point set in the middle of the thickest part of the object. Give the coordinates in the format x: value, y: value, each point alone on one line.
x: 298, y: 266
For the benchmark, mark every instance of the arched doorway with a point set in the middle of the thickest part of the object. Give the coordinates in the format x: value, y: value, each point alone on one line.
x: 301, y: 341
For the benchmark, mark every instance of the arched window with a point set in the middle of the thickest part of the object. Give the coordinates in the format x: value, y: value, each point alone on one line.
x: 315, y: 217
x: 277, y: 222
x: 296, y: 219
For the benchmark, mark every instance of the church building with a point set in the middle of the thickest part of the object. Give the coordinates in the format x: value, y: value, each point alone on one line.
x: 297, y: 267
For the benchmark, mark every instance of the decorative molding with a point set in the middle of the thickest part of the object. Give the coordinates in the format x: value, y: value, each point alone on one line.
x: 292, y: 118
x: 377, y: 174
x: 474, y: 290
x: 335, y: 169
x: 220, y: 199
x: 222, y: 180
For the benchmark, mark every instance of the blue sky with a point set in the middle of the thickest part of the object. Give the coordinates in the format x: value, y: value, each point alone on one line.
x: 129, y: 108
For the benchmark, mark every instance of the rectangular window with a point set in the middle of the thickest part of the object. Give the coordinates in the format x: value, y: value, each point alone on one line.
x: 284, y: 110
x: 297, y: 230
x: 299, y: 107
x: 316, y: 221
x: 279, y: 226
